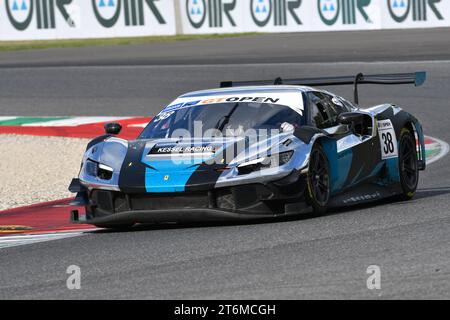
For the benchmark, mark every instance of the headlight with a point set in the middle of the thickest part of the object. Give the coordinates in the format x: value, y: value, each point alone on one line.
x: 272, y: 161
x: 98, y: 170
x: 284, y: 157
x: 91, y: 168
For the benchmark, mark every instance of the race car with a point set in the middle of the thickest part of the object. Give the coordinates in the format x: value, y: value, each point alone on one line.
x: 253, y: 150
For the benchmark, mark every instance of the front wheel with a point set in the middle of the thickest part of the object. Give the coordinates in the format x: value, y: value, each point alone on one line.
x: 408, y: 164
x: 318, y: 192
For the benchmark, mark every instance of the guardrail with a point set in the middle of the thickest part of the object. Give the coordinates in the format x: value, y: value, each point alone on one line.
x: 78, y: 19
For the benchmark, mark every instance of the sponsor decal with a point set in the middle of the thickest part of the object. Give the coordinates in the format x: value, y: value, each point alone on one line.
x: 388, y: 139
x: 262, y: 11
x: 213, y: 11
x: 20, y: 13
x: 365, y: 197
x: 174, y: 149
x: 232, y: 99
x: 331, y: 10
x: 107, y: 12
x: 400, y: 10
x: 286, y: 99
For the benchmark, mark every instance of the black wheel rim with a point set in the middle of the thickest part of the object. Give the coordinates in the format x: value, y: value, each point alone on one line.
x: 408, y: 164
x: 319, y: 177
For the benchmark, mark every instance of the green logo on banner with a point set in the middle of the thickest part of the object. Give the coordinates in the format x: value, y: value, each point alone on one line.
x: 331, y: 10
x: 108, y: 12
x: 263, y: 10
x: 215, y: 10
x: 400, y: 10
x: 20, y: 13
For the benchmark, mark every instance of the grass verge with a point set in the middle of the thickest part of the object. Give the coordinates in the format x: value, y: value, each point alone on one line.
x: 47, y: 44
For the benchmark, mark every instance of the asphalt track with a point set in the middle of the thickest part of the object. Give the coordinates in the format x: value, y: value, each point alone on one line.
x: 322, y: 257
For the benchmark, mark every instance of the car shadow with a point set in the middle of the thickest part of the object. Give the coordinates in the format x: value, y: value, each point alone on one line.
x: 420, y: 194
x: 395, y: 200
x: 431, y: 192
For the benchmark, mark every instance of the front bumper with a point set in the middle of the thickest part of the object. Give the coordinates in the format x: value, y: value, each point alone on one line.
x: 242, y: 202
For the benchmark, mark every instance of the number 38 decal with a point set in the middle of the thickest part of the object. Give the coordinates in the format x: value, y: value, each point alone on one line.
x: 388, y: 139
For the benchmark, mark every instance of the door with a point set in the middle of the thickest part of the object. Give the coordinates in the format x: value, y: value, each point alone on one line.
x: 354, y: 155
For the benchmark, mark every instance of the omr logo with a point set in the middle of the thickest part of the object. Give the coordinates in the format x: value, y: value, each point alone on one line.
x: 263, y: 10
x: 198, y: 10
x: 331, y: 10
x: 20, y: 13
x: 108, y: 12
x: 400, y: 9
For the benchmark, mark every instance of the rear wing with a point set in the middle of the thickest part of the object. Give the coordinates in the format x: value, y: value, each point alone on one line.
x: 416, y: 78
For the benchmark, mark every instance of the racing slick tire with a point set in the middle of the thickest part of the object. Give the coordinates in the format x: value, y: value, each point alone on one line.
x: 408, y: 164
x: 318, y: 180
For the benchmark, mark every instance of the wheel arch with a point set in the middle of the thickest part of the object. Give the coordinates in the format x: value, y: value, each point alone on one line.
x: 407, y: 120
x: 403, y: 119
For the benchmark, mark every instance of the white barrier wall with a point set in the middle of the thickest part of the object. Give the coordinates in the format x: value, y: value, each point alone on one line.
x: 69, y: 19
x: 207, y: 16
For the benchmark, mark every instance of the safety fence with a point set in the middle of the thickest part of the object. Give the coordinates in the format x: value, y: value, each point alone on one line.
x: 78, y: 19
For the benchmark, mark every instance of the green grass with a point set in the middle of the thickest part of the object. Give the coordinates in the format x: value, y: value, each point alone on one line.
x: 47, y: 44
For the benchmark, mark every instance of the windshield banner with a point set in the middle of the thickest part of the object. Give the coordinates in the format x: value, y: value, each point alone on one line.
x: 291, y: 99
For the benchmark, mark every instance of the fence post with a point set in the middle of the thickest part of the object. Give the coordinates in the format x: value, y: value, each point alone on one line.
x: 178, y: 22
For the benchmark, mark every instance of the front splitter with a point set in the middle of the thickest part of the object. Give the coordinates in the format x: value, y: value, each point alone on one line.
x: 173, y: 215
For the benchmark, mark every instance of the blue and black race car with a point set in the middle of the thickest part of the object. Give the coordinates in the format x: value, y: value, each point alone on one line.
x: 252, y: 150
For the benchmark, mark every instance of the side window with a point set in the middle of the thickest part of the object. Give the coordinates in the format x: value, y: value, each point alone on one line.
x: 318, y: 115
x: 332, y: 108
x: 325, y: 109
x: 348, y: 107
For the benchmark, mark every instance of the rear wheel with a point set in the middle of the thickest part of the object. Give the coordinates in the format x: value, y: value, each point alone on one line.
x: 318, y: 192
x: 408, y: 164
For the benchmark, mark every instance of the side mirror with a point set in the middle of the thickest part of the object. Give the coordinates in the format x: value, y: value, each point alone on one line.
x: 350, y: 118
x: 113, y: 128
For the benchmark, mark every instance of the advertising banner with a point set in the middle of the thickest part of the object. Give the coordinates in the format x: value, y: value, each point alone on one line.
x: 415, y: 14
x: 71, y: 19
x: 227, y: 16
x: 217, y: 16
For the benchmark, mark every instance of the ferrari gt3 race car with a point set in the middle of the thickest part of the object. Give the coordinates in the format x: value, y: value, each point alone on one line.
x: 252, y: 150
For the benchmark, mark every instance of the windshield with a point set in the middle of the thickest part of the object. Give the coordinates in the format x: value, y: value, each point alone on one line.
x: 228, y: 118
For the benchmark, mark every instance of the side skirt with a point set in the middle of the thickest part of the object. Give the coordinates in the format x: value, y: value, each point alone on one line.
x: 364, y: 193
